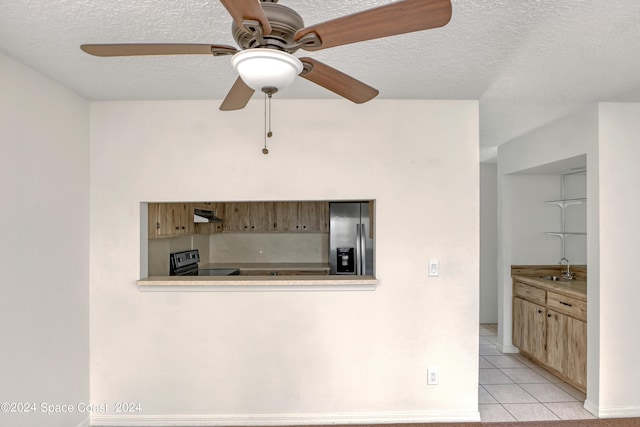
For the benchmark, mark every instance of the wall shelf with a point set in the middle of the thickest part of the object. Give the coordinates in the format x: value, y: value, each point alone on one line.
x: 563, y: 234
x: 568, y: 202
x: 564, y: 203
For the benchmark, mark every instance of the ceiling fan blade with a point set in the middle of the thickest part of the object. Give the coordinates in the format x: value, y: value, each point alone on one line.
x: 247, y: 9
x: 337, y: 81
x: 238, y: 96
x: 395, y: 18
x: 137, y: 49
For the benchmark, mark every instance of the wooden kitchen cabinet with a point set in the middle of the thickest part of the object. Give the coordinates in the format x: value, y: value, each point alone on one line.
x: 313, y: 216
x: 170, y: 219
x: 577, y: 351
x: 248, y: 216
x: 567, y: 346
x: 551, y: 328
x: 175, y: 219
x: 302, y: 217
x: 277, y: 216
x: 218, y: 210
x: 556, y: 343
x: 529, y: 328
x: 286, y: 216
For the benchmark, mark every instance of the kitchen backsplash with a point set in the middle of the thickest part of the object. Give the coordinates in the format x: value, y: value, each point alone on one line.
x: 159, y: 250
x: 269, y: 247
x: 241, y: 247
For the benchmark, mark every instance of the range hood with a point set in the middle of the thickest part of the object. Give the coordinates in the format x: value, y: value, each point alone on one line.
x: 204, y: 215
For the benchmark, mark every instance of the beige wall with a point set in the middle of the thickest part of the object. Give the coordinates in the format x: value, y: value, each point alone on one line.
x: 44, y: 281
x: 488, y: 243
x: 276, y: 357
x: 619, y: 339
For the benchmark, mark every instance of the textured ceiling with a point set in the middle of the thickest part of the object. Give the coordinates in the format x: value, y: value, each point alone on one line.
x: 529, y: 62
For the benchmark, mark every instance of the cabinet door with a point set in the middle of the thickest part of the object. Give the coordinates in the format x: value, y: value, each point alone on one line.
x: 185, y: 218
x: 153, y: 225
x: 313, y: 216
x: 248, y: 216
x: 261, y: 216
x: 519, y: 331
x: 286, y: 216
x: 236, y: 216
x: 531, y: 326
x: 556, y: 341
x: 576, y: 339
x: 166, y: 221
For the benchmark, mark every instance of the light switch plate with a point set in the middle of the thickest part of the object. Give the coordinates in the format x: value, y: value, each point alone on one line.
x: 434, y: 268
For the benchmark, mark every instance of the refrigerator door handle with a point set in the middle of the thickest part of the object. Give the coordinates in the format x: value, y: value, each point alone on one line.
x: 358, y: 251
x: 363, y: 249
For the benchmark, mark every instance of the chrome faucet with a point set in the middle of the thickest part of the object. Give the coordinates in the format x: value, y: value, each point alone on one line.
x: 567, y: 274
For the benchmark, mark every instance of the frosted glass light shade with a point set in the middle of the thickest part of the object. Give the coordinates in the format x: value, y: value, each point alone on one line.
x: 261, y: 67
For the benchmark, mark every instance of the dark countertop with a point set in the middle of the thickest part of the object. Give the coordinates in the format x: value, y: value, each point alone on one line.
x: 247, y: 266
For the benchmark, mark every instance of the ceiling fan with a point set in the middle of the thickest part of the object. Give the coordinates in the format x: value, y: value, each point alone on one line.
x: 269, y: 33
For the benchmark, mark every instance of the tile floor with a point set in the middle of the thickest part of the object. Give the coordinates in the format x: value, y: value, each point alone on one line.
x: 514, y: 389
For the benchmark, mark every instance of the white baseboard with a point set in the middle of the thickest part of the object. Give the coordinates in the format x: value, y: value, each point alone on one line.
x: 283, y: 419
x: 619, y: 412
x: 592, y: 408
x: 85, y: 423
x: 507, y: 348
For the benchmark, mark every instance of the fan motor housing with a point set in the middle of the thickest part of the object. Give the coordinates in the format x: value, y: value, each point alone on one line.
x: 284, y: 24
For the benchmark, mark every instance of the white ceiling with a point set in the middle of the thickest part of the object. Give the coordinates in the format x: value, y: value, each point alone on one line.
x: 529, y: 62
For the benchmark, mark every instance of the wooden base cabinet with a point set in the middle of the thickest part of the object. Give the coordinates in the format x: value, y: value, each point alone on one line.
x: 529, y: 322
x: 577, y: 351
x: 557, y: 340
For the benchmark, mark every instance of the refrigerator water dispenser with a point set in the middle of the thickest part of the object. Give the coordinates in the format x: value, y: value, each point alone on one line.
x: 345, y: 263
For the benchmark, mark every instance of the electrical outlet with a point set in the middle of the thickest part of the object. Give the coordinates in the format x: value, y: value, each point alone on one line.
x: 432, y: 376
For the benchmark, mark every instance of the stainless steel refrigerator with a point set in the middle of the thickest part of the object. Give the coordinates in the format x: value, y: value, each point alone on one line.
x: 350, y: 238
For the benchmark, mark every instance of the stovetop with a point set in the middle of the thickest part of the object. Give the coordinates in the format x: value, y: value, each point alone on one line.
x: 185, y: 263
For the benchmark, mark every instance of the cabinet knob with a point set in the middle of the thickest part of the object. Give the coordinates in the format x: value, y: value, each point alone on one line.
x: 539, y: 311
x: 548, y: 315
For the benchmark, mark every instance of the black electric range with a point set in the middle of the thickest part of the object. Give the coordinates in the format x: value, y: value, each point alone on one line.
x: 185, y: 263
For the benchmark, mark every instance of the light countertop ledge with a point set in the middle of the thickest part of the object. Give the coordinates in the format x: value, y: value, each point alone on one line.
x: 257, y: 283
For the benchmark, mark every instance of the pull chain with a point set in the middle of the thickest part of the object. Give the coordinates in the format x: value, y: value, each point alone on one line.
x: 268, y: 93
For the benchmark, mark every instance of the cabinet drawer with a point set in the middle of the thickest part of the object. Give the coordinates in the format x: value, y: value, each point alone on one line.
x: 530, y: 293
x: 570, y: 306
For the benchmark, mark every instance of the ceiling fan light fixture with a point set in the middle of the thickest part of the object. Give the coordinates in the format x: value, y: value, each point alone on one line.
x: 266, y: 68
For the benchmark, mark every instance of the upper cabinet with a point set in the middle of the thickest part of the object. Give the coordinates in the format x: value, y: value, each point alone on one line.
x: 218, y: 210
x: 170, y: 219
x: 302, y: 217
x: 248, y: 216
x: 174, y: 219
x: 277, y: 216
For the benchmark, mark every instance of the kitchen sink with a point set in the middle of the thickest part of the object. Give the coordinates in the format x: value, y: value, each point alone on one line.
x: 555, y: 278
